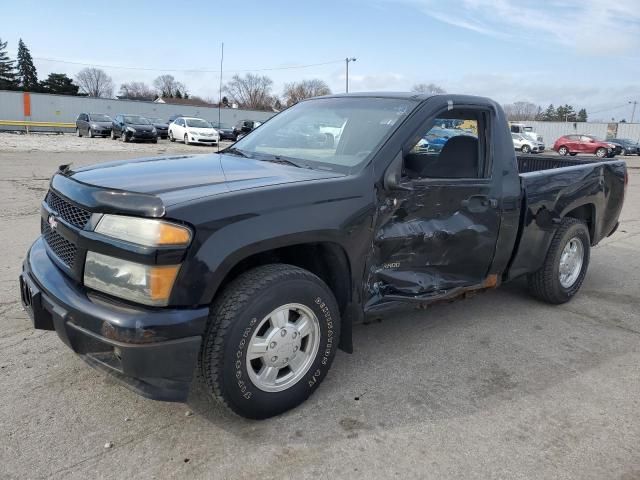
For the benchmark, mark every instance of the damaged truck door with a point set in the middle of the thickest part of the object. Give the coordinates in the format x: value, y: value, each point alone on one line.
x: 437, y: 229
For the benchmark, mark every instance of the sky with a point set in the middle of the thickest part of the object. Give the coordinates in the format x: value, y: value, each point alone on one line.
x: 582, y: 52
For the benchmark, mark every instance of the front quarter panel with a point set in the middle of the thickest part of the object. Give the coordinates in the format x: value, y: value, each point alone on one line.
x: 233, y: 226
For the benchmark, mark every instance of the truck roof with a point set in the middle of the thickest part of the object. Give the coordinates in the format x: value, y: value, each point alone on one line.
x: 419, y: 97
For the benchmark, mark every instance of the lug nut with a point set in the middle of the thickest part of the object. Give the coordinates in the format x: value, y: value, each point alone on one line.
x: 295, y: 349
x: 286, y: 359
x: 283, y: 333
x: 272, y: 345
x: 273, y: 359
x: 295, y: 334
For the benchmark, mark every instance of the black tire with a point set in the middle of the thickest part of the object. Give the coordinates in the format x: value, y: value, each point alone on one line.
x: 601, y: 152
x: 90, y: 133
x: 573, y: 154
x: 155, y: 140
x: 563, y: 150
x: 545, y: 283
x: 526, y: 149
x: 623, y: 152
x: 113, y: 135
x: 123, y: 136
x: 78, y: 132
x: 235, y: 316
x: 171, y: 138
x: 186, y: 139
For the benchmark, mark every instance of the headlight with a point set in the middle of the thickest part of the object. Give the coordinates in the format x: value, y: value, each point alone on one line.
x: 131, y: 129
x: 146, y: 284
x: 143, y: 231
x: 94, y: 125
x: 153, y: 130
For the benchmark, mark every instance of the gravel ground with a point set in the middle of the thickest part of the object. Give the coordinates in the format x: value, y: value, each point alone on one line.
x: 499, y: 386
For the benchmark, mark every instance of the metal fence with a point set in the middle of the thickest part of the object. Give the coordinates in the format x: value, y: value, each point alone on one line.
x: 551, y: 131
x: 65, y: 108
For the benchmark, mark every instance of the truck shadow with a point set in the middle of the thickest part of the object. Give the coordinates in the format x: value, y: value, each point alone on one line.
x: 448, y: 361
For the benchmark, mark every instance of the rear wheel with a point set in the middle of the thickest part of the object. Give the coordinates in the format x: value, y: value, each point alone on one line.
x: 565, y: 265
x: 601, y: 152
x: 563, y: 150
x: 78, y: 132
x: 573, y: 154
x: 526, y: 149
x: 271, y: 339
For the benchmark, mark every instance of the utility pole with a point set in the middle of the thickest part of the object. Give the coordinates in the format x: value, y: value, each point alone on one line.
x: 633, y: 112
x: 347, y: 60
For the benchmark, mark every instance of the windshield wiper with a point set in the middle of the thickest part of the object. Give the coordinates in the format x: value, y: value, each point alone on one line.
x: 236, y: 151
x: 283, y: 161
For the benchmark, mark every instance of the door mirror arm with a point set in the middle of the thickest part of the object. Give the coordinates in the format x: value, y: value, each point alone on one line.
x: 393, y: 175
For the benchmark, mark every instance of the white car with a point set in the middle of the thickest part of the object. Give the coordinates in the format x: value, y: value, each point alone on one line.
x: 193, y: 130
x: 525, y: 144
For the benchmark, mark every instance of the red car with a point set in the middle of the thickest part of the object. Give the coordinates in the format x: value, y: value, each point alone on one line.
x: 575, y: 144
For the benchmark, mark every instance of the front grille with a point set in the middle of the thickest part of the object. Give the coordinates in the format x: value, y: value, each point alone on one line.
x: 60, y: 246
x: 67, y: 211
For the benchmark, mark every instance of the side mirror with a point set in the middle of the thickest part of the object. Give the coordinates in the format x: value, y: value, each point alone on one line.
x: 393, y: 175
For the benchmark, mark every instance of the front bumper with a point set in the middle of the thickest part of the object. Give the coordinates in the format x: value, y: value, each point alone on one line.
x: 153, y: 351
x: 203, y: 140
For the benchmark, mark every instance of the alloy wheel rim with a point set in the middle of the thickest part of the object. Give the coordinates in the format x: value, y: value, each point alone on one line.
x: 283, y: 347
x: 571, y: 261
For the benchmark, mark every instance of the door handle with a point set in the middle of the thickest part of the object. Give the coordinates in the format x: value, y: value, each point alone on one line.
x: 479, y: 202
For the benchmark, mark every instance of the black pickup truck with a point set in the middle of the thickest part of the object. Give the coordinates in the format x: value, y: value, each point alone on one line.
x: 253, y: 264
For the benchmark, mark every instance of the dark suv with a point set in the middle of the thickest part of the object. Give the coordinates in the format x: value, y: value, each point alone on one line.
x: 243, y: 127
x: 93, y: 124
x: 133, y: 127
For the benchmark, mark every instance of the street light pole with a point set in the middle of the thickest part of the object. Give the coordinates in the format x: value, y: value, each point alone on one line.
x: 347, y: 60
x: 633, y: 112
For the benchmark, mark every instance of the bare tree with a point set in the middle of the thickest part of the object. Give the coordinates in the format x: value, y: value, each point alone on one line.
x: 168, y: 86
x: 521, y: 111
x: 137, y: 91
x: 95, y: 82
x: 431, y: 88
x: 296, y: 91
x: 251, y: 91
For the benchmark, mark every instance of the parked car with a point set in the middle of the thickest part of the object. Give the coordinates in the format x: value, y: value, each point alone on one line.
x: 627, y: 146
x: 173, y: 117
x: 253, y: 264
x: 162, y: 127
x: 243, y: 127
x: 526, y: 130
x: 525, y: 144
x: 133, y: 127
x: 575, y: 144
x: 193, y: 130
x: 225, y: 131
x: 93, y: 124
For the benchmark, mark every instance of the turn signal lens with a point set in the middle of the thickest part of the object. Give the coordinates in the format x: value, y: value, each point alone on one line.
x: 144, y: 231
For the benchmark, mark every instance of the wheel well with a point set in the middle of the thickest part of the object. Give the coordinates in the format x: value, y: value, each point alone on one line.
x: 326, y: 260
x: 586, y: 214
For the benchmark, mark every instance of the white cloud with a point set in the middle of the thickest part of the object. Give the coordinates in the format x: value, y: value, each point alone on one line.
x: 587, y: 26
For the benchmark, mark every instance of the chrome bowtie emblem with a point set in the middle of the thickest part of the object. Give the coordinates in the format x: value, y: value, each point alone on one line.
x: 53, y: 223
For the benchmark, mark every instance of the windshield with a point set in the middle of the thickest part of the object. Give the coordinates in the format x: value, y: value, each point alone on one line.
x: 334, y: 133
x: 135, y: 120
x: 156, y: 120
x: 99, y: 117
x: 221, y: 125
x: 197, y: 123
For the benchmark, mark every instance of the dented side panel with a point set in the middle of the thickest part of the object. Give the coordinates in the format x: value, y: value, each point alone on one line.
x: 429, y: 240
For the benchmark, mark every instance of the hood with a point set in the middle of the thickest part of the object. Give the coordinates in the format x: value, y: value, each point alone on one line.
x: 201, y: 130
x: 163, y: 126
x: 141, y: 128
x: 179, y: 179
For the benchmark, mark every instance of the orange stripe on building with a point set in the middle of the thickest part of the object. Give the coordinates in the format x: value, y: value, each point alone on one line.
x: 27, y: 104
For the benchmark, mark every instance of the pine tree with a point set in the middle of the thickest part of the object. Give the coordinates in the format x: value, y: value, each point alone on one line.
x: 8, y: 79
x: 27, y: 75
x: 549, y: 114
x: 178, y: 94
x: 582, y: 115
x: 58, y: 83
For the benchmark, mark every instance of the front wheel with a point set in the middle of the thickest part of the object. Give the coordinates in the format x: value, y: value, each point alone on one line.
x: 601, y: 152
x: 90, y: 133
x: 573, y: 154
x: 526, y: 149
x: 271, y: 339
x: 171, y: 137
x: 186, y: 139
x: 623, y: 152
x: 113, y: 135
x: 78, y: 132
x: 563, y: 150
x: 565, y: 265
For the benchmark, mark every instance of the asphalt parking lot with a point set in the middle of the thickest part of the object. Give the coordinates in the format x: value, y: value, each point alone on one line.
x: 498, y: 386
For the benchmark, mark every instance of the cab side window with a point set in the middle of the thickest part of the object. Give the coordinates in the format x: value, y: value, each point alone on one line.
x: 452, y: 146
